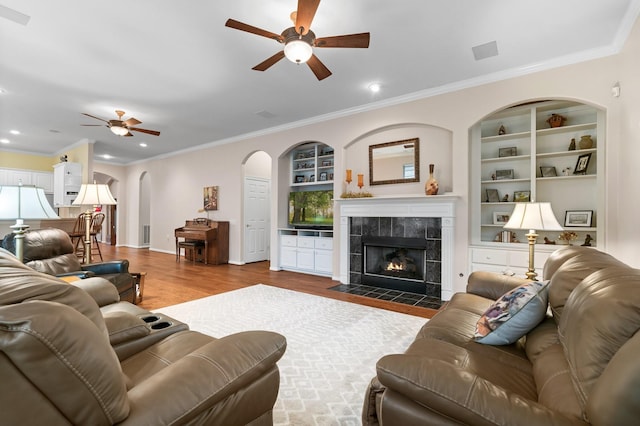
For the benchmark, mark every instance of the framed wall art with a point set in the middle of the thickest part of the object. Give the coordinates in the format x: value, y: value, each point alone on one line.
x: 578, y: 218
x: 211, y: 198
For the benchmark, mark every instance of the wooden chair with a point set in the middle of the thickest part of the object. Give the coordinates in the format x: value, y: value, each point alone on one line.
x: 77, y: 236
x: 96, y: 228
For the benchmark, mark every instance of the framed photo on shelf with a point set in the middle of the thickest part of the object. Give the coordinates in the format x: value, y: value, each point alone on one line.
x: 501, y: 218
x: 548, y: 171
x: 323, y: 176
x: 504, y: 174
x: 521, y: 196
x: 493, y: 196
x: 299, y: 179
x: 326, y: 163
x: 578, y: 218
x: 511, y: 151
x: 582, y: 164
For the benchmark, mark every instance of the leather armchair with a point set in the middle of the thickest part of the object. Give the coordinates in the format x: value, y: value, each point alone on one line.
x: 50, y: 251
x: 58, y: 366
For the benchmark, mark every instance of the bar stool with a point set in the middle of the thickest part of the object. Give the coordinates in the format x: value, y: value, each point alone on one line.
x: 192, y: 250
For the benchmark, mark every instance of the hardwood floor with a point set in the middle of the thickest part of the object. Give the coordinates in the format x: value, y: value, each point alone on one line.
x: 169, y: 282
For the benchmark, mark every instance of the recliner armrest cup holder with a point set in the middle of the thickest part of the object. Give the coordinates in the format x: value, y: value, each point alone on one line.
x: 156, y: 322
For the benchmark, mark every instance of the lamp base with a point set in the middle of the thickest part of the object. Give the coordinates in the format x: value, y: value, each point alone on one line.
x: 19, y: 229
x: 531, y: 273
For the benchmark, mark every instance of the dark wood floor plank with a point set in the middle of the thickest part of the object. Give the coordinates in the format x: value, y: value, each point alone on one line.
x: 169, y: 282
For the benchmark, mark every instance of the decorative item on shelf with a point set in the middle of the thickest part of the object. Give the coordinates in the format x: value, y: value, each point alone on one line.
x: 548, y: 241
x: 493, y: 196
x: 533, y: 216
x: 578, y: 218
x: 360, y: 181
x: 505, y: 199
x: 21, y: 202
x: 572, y: 145
x: 521, y: 196
x: 510, y: 151
x: 566, y: 171
x: 506, y: 174
x: 431, y: 186
x: 63, y: 158
x: 582, y: 164
x: 587, y: 241
x: 585, y: 142
x: 92, y: 194
x: 502, y: 130
x: 547, y: 171
x: 556, y: 120
x: 566, y: 237
x: 358, y: 194
x: 493, y: 176
x: 348, y: 178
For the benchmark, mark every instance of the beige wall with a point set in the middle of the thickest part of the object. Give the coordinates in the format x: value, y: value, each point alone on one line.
x: 177, y: 182
x: 14, y: 160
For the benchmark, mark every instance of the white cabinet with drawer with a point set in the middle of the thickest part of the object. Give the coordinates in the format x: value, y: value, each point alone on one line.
x: 307, y: 251
x: 514, y: 261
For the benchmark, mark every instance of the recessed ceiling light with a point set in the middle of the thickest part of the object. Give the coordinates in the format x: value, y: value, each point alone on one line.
x: 4, y: 141
x: 107, y: 157
x: 14, y: 132
x: 374, y: 87
x: 142, y: 144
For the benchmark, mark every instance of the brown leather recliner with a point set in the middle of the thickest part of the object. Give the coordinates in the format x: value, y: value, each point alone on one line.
x: 50, y: 250
x: 578, y: 366
x: 58, y: 367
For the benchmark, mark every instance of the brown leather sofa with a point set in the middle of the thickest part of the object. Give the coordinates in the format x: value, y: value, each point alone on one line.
x: 51, y: 251
x: 578, y: 366
x: 64, y: 360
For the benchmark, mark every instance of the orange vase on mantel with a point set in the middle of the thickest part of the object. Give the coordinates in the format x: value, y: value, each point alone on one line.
x: 431, y: 186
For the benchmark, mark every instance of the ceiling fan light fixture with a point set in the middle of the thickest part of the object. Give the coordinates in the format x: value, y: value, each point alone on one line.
x: 298, y: 51
x: 119, y: 130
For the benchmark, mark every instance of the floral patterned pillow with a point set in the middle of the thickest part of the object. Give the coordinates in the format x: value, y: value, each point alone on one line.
x: 513, y: 315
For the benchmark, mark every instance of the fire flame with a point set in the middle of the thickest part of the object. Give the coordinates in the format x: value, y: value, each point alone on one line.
x: 394, y: 267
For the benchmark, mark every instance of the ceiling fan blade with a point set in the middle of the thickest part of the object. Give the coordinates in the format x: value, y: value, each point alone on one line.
x: 137, y: 129
x: 93, y: 116
x: 232, y: 23
x: 131, y: 122
x: 305, y: 13
x: 94, y: 125
x: 349, y: 40
x: 318, y: 68
x: 264, y: 65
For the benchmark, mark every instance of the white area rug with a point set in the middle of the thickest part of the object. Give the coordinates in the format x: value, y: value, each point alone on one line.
x: 332, y: 346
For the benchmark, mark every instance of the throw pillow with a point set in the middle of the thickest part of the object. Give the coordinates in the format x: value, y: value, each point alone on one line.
x: 513, y: 315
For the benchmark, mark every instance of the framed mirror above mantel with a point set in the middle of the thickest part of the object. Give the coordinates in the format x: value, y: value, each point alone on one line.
x: 394, y: 162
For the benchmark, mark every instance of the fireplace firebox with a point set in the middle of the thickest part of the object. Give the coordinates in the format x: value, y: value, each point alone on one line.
x: 397, y: 263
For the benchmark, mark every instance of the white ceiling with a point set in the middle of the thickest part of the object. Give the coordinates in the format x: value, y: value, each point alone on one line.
x: 177, y: 68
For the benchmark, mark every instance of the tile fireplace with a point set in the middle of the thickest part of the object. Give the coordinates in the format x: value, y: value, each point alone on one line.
x: 400, y: 243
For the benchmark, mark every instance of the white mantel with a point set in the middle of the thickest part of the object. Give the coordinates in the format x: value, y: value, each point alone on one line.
x: 441, y: 206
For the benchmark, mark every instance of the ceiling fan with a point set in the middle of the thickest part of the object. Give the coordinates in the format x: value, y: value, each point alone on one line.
x: 120, y: 127
x: 299, y: 40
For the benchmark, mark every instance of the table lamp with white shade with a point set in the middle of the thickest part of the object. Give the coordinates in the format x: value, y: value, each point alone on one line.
x: 92, y: 194
x: 21, y: 202
x: 534, y: 217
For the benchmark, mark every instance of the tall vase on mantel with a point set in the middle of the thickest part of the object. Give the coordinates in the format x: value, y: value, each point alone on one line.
x: 431, y: 186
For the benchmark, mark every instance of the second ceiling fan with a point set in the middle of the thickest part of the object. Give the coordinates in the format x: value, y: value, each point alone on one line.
x: 299, y: 40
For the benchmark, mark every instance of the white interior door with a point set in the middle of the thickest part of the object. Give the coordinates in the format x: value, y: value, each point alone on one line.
x: 256, y: 219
